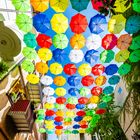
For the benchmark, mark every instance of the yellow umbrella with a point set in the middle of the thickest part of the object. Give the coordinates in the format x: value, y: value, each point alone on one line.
x: 87, y: 118
x: 67, y: 123
x: 32, y: 78
x: 49, y: 122
x: 59, y: 113
x: 60, y: 91
x: 100, y: 80
x: 94, y: 99
x: 82, y: 131
x: 42, y: 67
x: 77, y: 41
x: 59, y: 5
x: 59, y: 81
x: 122, y: 56
x: 56, y: 68
x: 70, y: 113
x: 45, y: 54
x: 48, y: 106
x: 59, y: 23
x: 50, y: 127
x: 116, y: 24
x: 40, y: 5
x: 84, y: 69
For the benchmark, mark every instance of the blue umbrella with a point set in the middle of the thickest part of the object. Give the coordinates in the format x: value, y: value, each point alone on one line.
x: 78, y: 118
x: 76, y: 126
x: 91, y: 56
x: 74, y: 81
x: 80, y: 106
x: 133, y: 24
x: 111, y: 69
x: 41, y: 23
x: 108, y: 90
x: 59, y: 55
x: 97, y: 24
x: 49, y: 118
x: 73, y: 91
x: 114, y: 80
x: 58, y: 123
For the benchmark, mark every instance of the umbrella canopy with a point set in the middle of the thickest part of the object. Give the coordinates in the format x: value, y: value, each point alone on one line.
x: 77, y: 41
x: 60, y: 91
x: 84, y: 69
x: 108, y: 90
x: 109, y: 41
x: 122, y: 56
x: 124, y: 69
x: 96, y: 91
x: 59, y: 55
x: 76, y: 56
x: 30, y: 40
x: 114, y: 80
x: 56, y: 68
x: 111, y: 69
x: 73, y: 91
x: 60, y: 100
x: 91, y: 56
x: 27, y: 66
x: 45, y: 54
x: 59, y: 81
x: 29, y: 53
x: 41, y: 23
x: 94, y: 99
x: 59, y: 113
x: 40, y: 5
x: 72, y: 100
x: 87, y: 80
x: 97, y: 24
x: 70, y: 113
x: 132, y: 24
x: 124, y: 41
x: 135, y: 56
x: 44, y: 41
x: 59, y: 5
x: 107, y: 56
x: 48, y: 91
x: 98, y: 69
x: 79, y: 5
x: 93, y: 42
x: 70, y: 106
x: 48, y: 106
x: 135, y: 43
x: 60, y: 41
x: 136, y: 5
x: 80, y: 106
x: 59, y: 23
x: 100, y: 80
x: 73, y: 81
x: 84, y: 91
x: 116, y: 24
x: 59, y: 106
x: 70, y: 69
x: 83, y: 100
x: 42, y: 67
x: 51, y: 100
x: 32, y: 78
x: 78, y: 23
x: 46, y: 80
x: 24, y: 22
x: 106, y: 98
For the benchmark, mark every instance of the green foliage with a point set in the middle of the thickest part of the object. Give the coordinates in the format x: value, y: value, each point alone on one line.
x: 3, y: 68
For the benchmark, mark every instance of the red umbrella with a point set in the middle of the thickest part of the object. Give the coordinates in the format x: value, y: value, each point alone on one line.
x: 58, y: 119
x: 109, y: 41
x: 97, y: 4
x: 44, y: 41
x: 81, y: 113
x: 78, y: 23
x: 100, y: 111
x: 83, y: 100
x: 59, y: 127
x: 70, y: 106
x: 70, y: 69
x: 98, y: 69
x: 96, y: 91
x: 87, y: 80
x: 61, y: 100
x: 84, y: 126
x: 50, y: 113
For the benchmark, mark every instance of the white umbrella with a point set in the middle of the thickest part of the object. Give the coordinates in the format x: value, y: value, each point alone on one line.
x: 92, y: 106
x: 76, y: 56
x: 51, y: 100
x: 46, y: 80
x: 48, y: 91
x: 93, y: 42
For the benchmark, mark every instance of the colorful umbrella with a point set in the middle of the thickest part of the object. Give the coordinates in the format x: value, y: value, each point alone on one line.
x: 111, y: 69
x: 32, y: 78
x: 83, y: 100
x: 40, y: 5
x: 98, y: 69
x: 51, y: 100
x: 60, y: 100
x: 84, y: 91
x: 59, y: 5
x: 109, y: 41
x: 108, y: 90
x: 45, y: 54
x: 116, y: 24
x: 96, y: 91
x: 59, y: 81
x: 107, y: 56
x: 70, y: 69
x: 42, y: 67
x: 102, y: 105
x: 114, y: 80
x: 70, y: 106
x: 124, y: 41
x: 70, y: 113
x: 41, y: 23
x: 27, y: 66
x: 29, y: 53
x: 46, y: 80
x: 78, y: 118
x: 122, y: 56
x: 94, y: 99
x: 56, y: 68
x: 59, y: 106
x: 73, y: 81
x: 72, y: 100
x: 97, y: 24
x: 60, y: 91
x: 100, y: 111
x: 93, y: 42
x: 73, y: 91
x: 79, y: 5
x: 76, y: 56
x: 135, y: 43
x: 44, y: 41
x: 76, y: 126
x: 84, y: 69
x: 87, y: 80
x: 77, y: 41
x: 92, y: 106
x: 48, y: 106
x: 132, y: 24
x: 135, y: 56
x: 59, y: 23
x: 59, y: 113
x: 78, y: 23
x: 60, y: 41
x: 24, y: 22
x: 101, y: 80
x: 80, y: 106
x: 106, y: 98
x: 136, y: 5
x: 91, y: 56
x: 48, y: 91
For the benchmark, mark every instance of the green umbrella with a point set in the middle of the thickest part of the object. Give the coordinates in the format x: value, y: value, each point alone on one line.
x: 24, y: 22
x: 136, y: 5
x: 135, y: 43
x: 124, y: 69
x: 21, y: 5
x: 84, y: 91
x: 29, y: 53
x: 106, y: 98
x: 122, y: 56
x: 135, y: 56
x: 28, y: 66
x: 42, y: 130
x: 72, y: 100
x: 59, y: 106
x: 30, y: 40
x: 107, y: 56
x: 90, y: 113
x: 60, y: 41
x: 67, y: 119
x: 67, y: 132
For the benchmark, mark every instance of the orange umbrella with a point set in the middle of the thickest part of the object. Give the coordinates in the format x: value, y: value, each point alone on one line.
x: 41, y: 67
x: 59, y: 81
x: 100, y: 80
